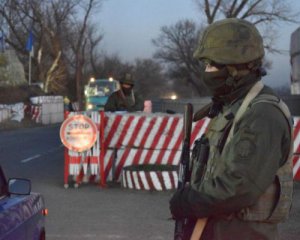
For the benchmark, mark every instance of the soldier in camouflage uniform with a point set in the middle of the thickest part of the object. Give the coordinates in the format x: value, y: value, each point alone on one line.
x: 125, y: 99
x: 246, y: 188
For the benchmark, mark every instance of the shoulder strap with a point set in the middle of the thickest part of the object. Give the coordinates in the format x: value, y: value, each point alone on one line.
x: 254, y: 91
x: 268, y: 98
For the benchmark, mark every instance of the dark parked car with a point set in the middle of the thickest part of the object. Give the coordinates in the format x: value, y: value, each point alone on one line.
x: 22, y: 212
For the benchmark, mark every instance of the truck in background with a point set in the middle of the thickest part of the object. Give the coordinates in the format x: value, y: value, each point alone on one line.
x: 97, y: 91
x: 295, y: 61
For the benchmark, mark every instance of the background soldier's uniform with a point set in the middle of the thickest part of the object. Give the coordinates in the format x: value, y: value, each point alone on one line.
x: 116, y: 102
x: 122, y: 101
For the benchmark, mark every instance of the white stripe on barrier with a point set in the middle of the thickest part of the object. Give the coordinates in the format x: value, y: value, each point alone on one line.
x: 136, y: 180
x: 176, y: 133
x: 296, y: 166
x: 155, y: 181
x: 129, y: 182
x: 141, y: 132
x: 144, y: 180
x: 130, y: 131
x: 167, y: 180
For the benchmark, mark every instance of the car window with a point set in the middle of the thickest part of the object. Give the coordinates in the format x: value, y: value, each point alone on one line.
x: 3, y: 184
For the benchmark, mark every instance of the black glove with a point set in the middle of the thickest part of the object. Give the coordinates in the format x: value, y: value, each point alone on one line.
x: 175, y: 205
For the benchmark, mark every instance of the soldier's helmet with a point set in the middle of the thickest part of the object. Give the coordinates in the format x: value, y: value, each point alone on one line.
x: 127, y: 79
x: 230, y: 41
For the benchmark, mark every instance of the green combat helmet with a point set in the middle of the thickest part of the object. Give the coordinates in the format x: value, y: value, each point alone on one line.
x: 127, y: 79
x: 230, y: 41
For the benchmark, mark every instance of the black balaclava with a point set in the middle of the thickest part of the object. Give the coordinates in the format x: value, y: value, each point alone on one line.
x: 127, y: 91
x: 229, y: 84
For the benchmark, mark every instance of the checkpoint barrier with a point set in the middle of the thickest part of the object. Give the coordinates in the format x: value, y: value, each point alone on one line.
x: 139, y: 138
x: 150, y: 177
x: 12, y: 112
x: 46, y: 109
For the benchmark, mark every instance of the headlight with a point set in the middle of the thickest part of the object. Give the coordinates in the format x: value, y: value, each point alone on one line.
x: 90, y: 106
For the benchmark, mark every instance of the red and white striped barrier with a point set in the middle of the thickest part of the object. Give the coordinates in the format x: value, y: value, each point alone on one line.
x: 296, y: 159
x: 36, y: 111
x: 139, y: 138
x: 149, y: 180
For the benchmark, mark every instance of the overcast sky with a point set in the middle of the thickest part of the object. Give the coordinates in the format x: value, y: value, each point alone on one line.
x: 130, y: 25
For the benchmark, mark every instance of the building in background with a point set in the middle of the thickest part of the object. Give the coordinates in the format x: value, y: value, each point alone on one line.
x: 295, y: 61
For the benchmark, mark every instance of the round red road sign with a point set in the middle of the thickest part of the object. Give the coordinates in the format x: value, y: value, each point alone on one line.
x: 78, y: 133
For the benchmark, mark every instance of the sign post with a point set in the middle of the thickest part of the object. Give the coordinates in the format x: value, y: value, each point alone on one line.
x: 78, y: 133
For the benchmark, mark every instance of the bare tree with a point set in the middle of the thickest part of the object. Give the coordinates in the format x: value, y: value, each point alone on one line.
x: 149, y: 75
x: 110, y: 66
x: 263, y: 13
x: 62, y: 38
x: 176, y: 45
x: 79, y: 42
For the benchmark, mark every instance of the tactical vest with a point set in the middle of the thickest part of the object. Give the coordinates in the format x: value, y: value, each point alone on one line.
x: 274, y: 204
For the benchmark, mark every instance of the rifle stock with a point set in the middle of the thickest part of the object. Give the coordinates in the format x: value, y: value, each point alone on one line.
x: 183, y: 175
x: 198, y: 229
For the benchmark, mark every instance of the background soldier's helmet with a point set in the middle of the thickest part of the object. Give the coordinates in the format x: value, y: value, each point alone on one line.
x: 230, y: 41
x: 127, y: 79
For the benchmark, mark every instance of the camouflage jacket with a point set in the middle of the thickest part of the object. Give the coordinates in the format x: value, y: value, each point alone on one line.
x: 118, y: 102
x: 239, y: 174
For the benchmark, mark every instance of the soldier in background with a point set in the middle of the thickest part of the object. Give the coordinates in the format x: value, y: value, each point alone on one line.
x: 246, y: 188
x: 125, y: 99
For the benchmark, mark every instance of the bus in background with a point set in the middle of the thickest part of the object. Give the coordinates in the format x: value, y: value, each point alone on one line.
x: 295, y: 61
x: 97, y: 91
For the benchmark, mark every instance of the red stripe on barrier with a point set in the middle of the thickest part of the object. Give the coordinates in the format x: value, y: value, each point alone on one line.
x: 161, y: 180
x: 124, y: 131
x: 156, y: 139
x: 196, y: 130
x: 149, y: 180
x: 136, y: 130
x: 112, y: 130
x: 120, y: 140
x: 167, y: 140
x: 296, y: 133
x: 121, y: 162
x: 296, y: 128
x: 137, y: 156
x: 144, y: 139
x: 296, y: 165
x: 177, y: 145
x: 109, y: 166
x: 140, y: 181
x: 131, y: 141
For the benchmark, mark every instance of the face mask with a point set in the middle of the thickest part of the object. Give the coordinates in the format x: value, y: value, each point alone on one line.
x: 127, y: 91
x: 216, y: 82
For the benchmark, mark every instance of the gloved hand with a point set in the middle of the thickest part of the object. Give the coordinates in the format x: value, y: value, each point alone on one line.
x: 175, y: 205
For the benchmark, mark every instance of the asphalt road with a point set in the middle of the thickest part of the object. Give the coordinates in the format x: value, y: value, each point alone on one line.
x: 91, y: 212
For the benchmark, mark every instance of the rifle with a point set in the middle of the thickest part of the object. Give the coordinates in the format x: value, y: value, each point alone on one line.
x: 184, y: 172
x: 200, y: 152
x: 191, y: 229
